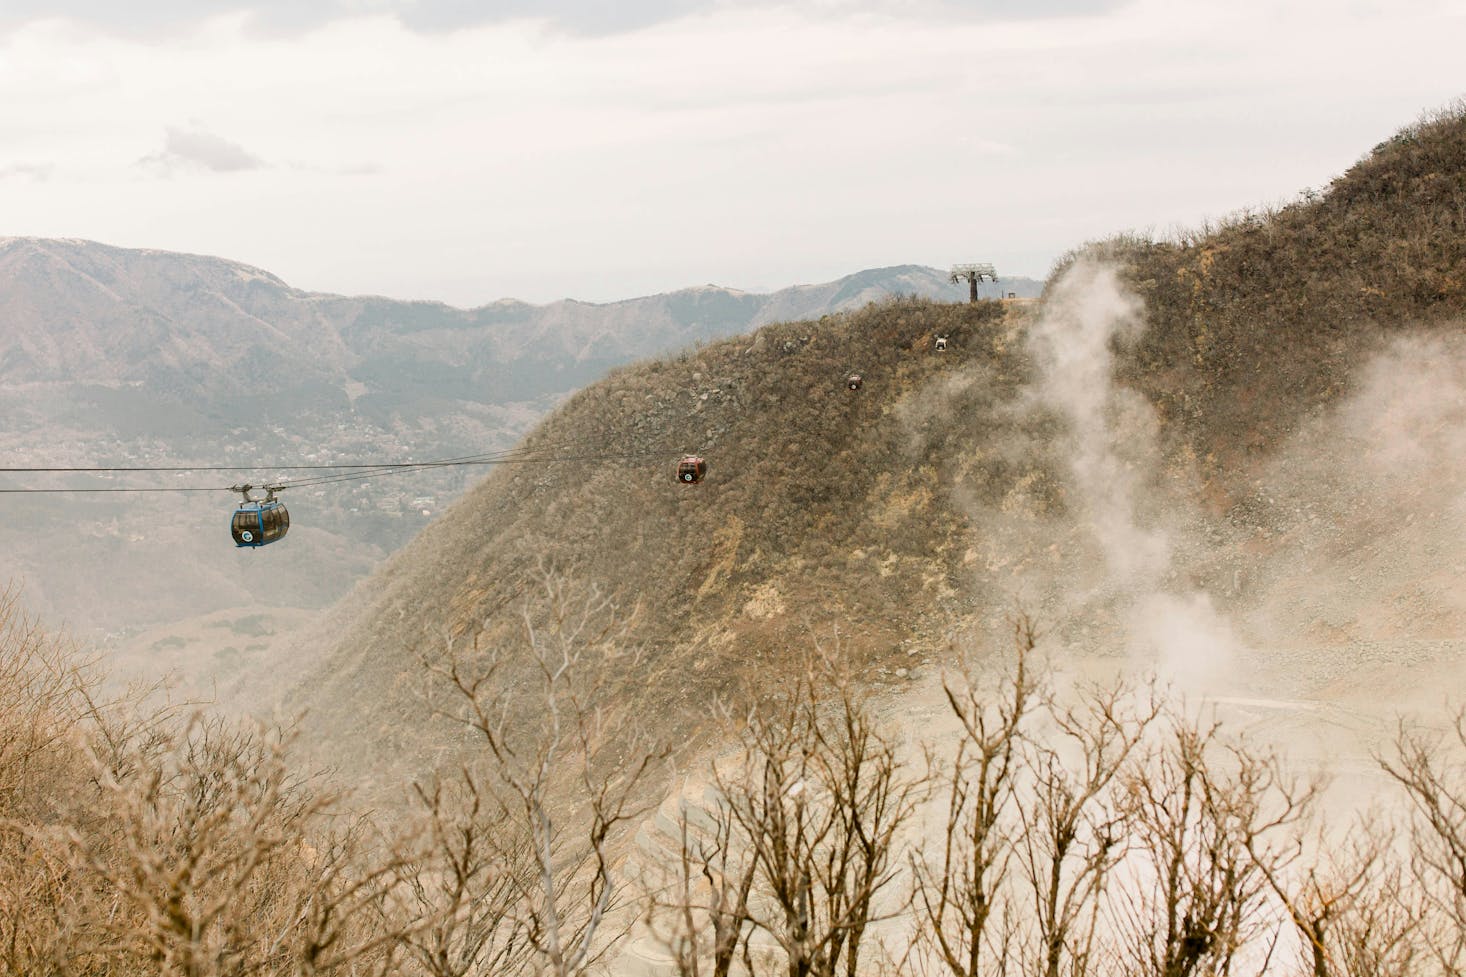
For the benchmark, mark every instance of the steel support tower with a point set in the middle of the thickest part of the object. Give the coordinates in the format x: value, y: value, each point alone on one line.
x: 973, y: 273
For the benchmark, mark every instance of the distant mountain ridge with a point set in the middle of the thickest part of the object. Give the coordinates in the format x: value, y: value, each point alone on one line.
x: 204, y: 332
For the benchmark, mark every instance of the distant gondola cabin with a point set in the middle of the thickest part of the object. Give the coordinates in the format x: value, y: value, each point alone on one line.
x: 259, y: 523
x: 691, y: 469
x: 941, y: 343
x: 853, y: 381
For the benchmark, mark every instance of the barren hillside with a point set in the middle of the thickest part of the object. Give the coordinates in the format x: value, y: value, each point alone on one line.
x: 822, y: 507
x: 1174, y: 462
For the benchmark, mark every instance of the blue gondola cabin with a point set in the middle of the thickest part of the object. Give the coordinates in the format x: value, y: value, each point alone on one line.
x: 259, y: 523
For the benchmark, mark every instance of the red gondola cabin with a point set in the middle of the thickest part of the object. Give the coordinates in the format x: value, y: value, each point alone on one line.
x: 853, y: 381
x: 691, y: 469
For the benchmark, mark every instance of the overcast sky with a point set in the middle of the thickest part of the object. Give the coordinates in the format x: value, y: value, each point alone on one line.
x: 468, y: 151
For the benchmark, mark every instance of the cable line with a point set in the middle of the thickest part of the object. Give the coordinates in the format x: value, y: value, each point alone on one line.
x: 485, y: 457
x: 339, y: 473
x: 180, y: 488
x: 258, y: 522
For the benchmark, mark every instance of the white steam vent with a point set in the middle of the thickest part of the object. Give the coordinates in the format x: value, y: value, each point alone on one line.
x: 1087, y: 314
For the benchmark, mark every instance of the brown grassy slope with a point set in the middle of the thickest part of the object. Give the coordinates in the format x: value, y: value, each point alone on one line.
x: 821, y: 507
x: 1259, y: 322
x: 890, y: 511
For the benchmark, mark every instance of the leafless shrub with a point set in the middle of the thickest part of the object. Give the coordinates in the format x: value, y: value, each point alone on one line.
x: 701, y: 914
x: 558, y: 788
x: 1368, y: 913
x: 1073, y: 829
x: 40, y: 759
x: 959, y: 890
x: 1077, y: 834
x: 1210, y: 823
x: 792, y: 865
x: 218, y: 861
x: 38, y: 711
x: 462, y: 884
x: 1081, y: 833
x: 133, y: 842
x: 1427, y: 767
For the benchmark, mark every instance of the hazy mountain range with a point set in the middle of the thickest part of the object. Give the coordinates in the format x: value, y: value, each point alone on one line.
x: 189, y: 340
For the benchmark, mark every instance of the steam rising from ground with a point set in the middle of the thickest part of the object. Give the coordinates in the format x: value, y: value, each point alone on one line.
x: 1331, y: 575
x: 1086, y: 313
x: 1364, y: 562
x: 1111, y: 452
x: 1309, y: 599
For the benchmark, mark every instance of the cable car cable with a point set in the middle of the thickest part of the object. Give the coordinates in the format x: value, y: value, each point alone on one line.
x: 551, y: 459
x: 484, y: 457
x: 345, y: 476
x: 99, y: 469
x: 181, y: 488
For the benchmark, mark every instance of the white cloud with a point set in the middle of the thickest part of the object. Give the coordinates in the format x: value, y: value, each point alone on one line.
x: 33, y: 171
x: 744, y: 143
x: 145, y: 18
x: 194, y: 146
